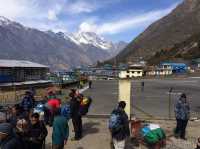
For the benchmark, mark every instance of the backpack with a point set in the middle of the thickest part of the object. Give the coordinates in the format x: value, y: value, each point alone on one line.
x: 66, y: 111
x: 115, y: 121
x: 85, y: 105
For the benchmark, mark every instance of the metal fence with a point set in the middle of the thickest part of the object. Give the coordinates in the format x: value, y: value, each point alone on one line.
x: 156, y: 98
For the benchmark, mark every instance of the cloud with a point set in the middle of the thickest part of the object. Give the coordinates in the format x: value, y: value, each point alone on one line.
x: 126, y: 23
x: 54, y: 12
x: 39, y: 14
x: 87, y: 6
x: 52, y: 15
x: 63, y: 15
x: 80, y: 7
x: 17, y: 8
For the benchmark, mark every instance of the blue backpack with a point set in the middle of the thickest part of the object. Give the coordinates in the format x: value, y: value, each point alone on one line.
x: 66, y: 111
x: 115, y: 121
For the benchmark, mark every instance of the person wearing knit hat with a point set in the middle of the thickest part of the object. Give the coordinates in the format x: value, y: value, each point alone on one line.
x: 182, y: 113
x: 7, y: 139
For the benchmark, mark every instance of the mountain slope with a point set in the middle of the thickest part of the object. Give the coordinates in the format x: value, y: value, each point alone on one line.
x: 57, y: 50
x: 18, y: 42
x: 179, y: 25
x: 184, y: 51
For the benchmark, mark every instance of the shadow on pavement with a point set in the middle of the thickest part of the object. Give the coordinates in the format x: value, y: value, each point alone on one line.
x: 90, y: 128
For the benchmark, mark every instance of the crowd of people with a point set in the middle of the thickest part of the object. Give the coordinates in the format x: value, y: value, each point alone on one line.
x: 24, y: 128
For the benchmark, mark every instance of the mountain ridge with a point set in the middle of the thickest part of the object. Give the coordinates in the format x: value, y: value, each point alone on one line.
x: 57, y: 50
x: 174, y: 28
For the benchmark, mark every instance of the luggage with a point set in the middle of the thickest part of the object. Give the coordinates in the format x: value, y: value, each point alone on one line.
x: 85, y: 105
x: 153, y: 134
x: 66, y: 111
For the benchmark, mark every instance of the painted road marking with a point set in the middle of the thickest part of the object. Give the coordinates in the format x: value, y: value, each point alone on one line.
x: 83, y: 90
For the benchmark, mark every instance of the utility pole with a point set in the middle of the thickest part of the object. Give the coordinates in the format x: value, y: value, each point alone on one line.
x: 170, y: 102
x: 125, y: 94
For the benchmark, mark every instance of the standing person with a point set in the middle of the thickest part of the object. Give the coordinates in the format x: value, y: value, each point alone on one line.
x: 21, y: 133
x: 119, y: 126
x: 182, y: 113
x: 90, y: 84
x: 27, y: 103
x: 37, y: 132
x: 16, y: 114
x: 60, y: 131
x: 75, y: 115
x: 142, y: 86
x: 53, y: 105
x: 7, y: 138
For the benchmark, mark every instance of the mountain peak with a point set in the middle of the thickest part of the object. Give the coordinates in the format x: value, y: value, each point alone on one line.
x: 92, y: 38
x: 4, y: 21
x: 174, y: 28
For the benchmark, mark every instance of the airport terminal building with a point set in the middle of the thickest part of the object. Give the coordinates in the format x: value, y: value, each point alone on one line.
x: 16, y: 71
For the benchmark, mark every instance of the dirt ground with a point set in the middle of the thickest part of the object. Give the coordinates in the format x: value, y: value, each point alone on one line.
x: 97, y: 136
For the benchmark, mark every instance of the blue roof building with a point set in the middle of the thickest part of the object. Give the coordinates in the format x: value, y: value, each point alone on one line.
x: 176, y: 67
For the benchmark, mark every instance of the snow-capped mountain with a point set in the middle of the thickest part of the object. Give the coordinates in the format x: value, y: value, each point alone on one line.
x: 4, y: 21
x: 90, y: 38
x: 58, y: 50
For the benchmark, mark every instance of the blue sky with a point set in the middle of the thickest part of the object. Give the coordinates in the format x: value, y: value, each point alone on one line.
x: 114, y: 20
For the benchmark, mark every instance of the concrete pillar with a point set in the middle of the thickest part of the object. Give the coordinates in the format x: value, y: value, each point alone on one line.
x: 125, y: 94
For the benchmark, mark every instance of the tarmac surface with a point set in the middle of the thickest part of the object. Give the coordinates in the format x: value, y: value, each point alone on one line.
x: 97, y: 136
x: 152, y: 101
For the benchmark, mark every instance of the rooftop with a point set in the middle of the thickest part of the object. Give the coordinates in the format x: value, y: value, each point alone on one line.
x: 176, y: 64
x: 20, y: 63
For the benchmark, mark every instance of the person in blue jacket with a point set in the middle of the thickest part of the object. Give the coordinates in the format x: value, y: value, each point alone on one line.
x: 60, y: 131
x: 182, y: 113
x: 27, y: 102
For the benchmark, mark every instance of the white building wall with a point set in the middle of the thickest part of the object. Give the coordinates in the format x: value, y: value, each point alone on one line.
x: 131, y: 73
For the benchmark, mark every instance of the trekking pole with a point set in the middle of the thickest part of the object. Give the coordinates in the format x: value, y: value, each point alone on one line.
x: 169, y: 110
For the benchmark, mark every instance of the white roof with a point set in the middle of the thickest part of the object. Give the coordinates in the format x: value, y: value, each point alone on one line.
x: 20, y: 63
x: 25, y: 83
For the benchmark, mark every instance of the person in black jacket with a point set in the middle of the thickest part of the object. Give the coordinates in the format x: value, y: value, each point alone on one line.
x: 21, y: 133
x: 75, y: 114
x: 120, y: 135
x: 7, y: 138
x: 37, y: 132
